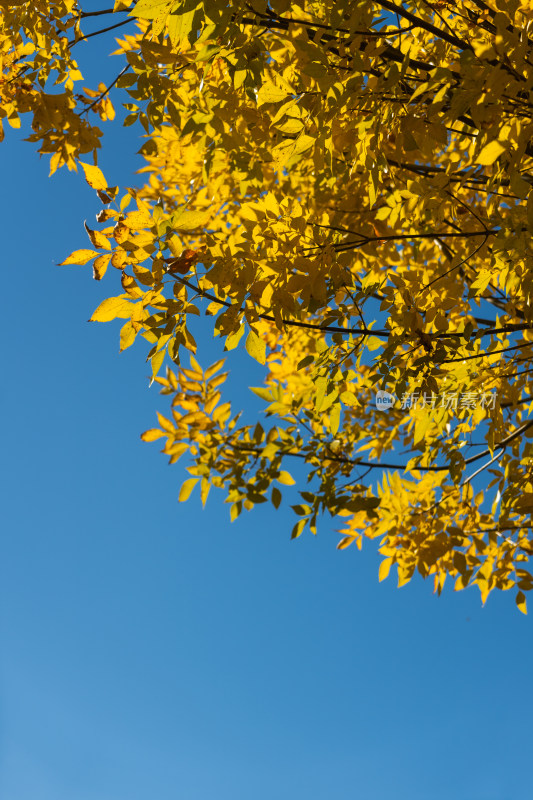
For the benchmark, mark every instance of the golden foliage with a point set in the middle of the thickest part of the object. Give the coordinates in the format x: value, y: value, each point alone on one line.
x: 350, y: 185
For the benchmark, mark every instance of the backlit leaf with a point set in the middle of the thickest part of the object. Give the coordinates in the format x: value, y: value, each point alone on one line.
x: 94, y: 176
x: 256, y: 347
x: 187, y: 488
x: 80, y: 257
x: 112, y: 308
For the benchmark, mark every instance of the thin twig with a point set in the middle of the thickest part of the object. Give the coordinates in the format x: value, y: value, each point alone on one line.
x: 103, y: 94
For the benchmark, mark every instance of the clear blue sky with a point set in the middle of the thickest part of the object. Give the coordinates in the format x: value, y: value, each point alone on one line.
x: 154, y: 650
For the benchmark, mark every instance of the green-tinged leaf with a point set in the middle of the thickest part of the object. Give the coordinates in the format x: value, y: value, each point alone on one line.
x: 150, y: 9
x: 264, y: 394
x: 256, y: 347
x: 270, y: 93
x: 179, y: 27
x: 188, y: 220
x: 335, y: 418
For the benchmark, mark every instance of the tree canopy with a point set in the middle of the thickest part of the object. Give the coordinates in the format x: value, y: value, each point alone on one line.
x: 345, y: 191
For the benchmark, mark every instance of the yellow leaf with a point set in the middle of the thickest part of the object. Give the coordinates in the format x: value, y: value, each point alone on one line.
x: 94, y: 176
x: 100, y: 266
x: 490, y: 153
x: 384, y: 568
x: 186, y: 220
x: 346, y: 542
x: 127, y: 336
x: 423, y: 422
x: 79, y: 257
x: 97, y: 239
x: 151, y: 435
x: 285, y: 478
x: 204, y: 490
x: 187, y: 488
x: 176, y: 451
x: 179, y: 27
x: 138, y: 220
x: 334, y: 418
x: 119, y: 258
x: 303, y: 143
x: 270, y: 93
x: 282, y: 152
x: 157, y: 360
x: 525, y: 502
x: 233, y: 339
x: 256, y: 347
x: 150, y: 9
x: 112, y: 308
x: 348, y: 398
x: 214, y: 368
x: 165, y: 423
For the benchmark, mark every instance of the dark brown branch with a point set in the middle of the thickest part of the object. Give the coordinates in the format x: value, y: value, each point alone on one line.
x: 358, y: 462
x: 364, y: 331
x: 342, y: 247
x: 97, y: 33
x: 85, y: 14
x: 103, y: 94
x: 338, y: 459
x: 486, y: 355
x: 427, y: 26
x: 289, y: 322
x: 503, y: 444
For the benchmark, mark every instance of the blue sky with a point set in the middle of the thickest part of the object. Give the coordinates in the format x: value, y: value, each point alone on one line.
x: 153, y: 649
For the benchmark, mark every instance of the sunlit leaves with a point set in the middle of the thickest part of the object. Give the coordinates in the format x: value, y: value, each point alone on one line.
x: 353, y: 209
x: 79, y: 257
x: 256, y: 347
x: 112, y: 308
x: 189, y: 220
x: 187, y: 488
x: 94, y: 176
x: 152, y: 435
x: 285, y: 478
x: 490, y: 153
x: 151, y: 9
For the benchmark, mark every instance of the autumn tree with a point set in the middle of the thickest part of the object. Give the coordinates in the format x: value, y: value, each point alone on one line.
x: 345, y: 191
